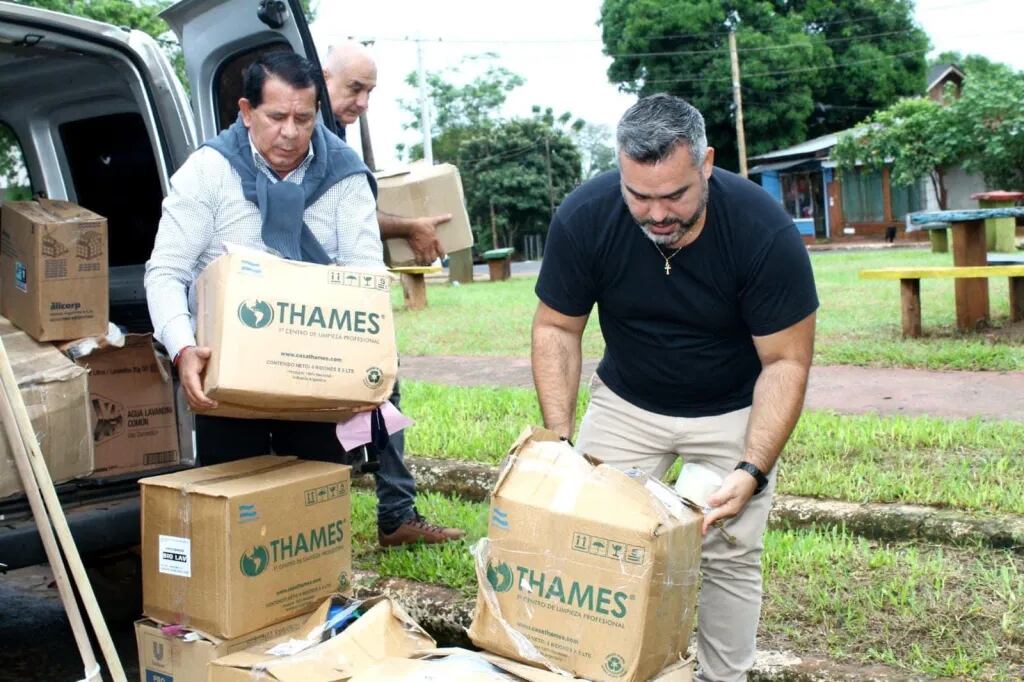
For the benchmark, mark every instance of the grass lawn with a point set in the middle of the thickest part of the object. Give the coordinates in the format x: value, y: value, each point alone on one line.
x: 858, y: 323
x: 937, y: 611
x: 965, y: 464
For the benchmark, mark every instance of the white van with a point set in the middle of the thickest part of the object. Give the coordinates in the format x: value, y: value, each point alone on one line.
x: 103, y: 121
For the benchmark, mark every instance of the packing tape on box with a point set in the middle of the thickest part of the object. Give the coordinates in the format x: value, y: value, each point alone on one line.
x: 481, y: 556
x: 180, y: 594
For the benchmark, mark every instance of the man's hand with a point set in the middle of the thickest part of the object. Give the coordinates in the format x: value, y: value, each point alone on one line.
x: 423, y: 238
x: 729, y: 500
x: 191, y: 364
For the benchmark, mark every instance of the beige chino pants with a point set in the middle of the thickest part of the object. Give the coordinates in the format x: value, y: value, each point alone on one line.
x: 729, y: 606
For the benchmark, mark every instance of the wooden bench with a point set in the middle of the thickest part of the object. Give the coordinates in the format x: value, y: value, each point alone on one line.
x: 967, y: 319
x: 414, y: 284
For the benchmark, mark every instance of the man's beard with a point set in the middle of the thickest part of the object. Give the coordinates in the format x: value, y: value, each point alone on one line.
x: 682, y: 226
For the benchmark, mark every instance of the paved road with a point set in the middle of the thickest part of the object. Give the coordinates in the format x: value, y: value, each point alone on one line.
x: 847, y: 390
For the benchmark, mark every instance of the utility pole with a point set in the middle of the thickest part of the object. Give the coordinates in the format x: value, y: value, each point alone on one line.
x: 551, y: 189
x: 364, y: 138
x: 364, y: 131
x: 421, y: 74
x: 737, y: 98
x: 494, y: 227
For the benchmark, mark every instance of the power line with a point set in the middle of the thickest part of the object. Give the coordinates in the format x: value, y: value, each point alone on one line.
x: 807, y: 69
x: 815, y: 25
x: 763, y: 48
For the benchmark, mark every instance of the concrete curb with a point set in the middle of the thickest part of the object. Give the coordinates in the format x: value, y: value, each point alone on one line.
x: 472, y: 481
x: 446, y: 613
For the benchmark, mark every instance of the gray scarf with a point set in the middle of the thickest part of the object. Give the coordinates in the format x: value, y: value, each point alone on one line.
x: 282, y: 204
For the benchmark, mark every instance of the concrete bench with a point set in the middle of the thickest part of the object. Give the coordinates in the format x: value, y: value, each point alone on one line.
x: 414, y: 284
x: 967, y: 319
x: 499, y: 263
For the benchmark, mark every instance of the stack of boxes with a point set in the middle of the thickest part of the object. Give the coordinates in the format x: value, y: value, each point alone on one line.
x: 238, y: 554
x: 107, y: 413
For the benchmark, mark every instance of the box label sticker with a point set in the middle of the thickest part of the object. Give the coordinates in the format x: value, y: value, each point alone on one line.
x: 154, y: 676
x: 21, y: 276
x: 176, y: 556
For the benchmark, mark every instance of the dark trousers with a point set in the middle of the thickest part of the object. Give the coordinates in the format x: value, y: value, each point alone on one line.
x: 220, y: 439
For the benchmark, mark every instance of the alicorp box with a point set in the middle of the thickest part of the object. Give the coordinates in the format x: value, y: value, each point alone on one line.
x: 231, y: 548
x: 292, y: 340
x: 424, y: 190
x: 132, y: 400
x: 53, y: 263
x: 585, y: 567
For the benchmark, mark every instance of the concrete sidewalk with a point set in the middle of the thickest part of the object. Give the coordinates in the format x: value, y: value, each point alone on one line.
x: 845, y: 389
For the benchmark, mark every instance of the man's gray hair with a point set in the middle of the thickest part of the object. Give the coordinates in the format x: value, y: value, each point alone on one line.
x: 651, y: 129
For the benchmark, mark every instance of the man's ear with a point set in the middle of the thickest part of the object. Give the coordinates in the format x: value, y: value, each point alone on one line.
x: 709, y: 162
x: 245, y: 106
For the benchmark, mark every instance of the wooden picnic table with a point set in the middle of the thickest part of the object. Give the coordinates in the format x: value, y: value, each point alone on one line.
x: 969, y: 250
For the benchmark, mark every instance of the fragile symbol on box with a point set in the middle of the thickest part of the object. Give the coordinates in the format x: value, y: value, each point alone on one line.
x: 614, y: 550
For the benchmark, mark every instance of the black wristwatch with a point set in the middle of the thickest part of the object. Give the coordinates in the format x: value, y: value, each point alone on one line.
x: 758, y: 475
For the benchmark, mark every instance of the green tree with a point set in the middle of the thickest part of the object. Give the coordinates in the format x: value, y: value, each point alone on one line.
x: 807, y: 66
x: 974, y: 64
x: 988, y: 122
x: 596, y: 148
x: 459, y: 111
x: 508, y: 168
x: 916, y: 136
x: 882, y: 45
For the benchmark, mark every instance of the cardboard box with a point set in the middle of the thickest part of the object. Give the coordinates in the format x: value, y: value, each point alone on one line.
x: 294, y: 340
x: 585, y: 568
x: 231, y: 548
x: 169, y: 658
x: 132, y: 405
x: 53, y: 263
x: 56, y: 393
x: 461, y: 665
x: 383, y: 630
x: 421, y: 190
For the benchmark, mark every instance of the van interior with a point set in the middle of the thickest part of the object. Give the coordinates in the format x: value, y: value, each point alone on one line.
x: 79, y: 113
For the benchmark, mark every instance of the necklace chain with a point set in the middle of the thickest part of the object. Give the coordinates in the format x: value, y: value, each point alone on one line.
x: 668, y: 266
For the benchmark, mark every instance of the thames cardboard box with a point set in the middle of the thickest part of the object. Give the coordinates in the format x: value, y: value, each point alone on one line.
x: 132, y: 400
x: 169, y: 658
x: 53, y: 263
x: 585, y: 568
x: 231, y: 548
x: 56, y: 393
x: 295, y: 340
x: 422, y: 190
x: 461, y: 665
x: 318, y: 655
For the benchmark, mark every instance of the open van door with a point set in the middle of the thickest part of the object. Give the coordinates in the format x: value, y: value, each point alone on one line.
x: 220, y: 38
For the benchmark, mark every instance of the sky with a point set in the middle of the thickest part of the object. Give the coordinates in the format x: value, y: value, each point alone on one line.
x: 556, y: 46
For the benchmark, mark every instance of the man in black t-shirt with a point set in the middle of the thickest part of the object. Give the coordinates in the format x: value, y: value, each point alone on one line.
x: 707, y: 305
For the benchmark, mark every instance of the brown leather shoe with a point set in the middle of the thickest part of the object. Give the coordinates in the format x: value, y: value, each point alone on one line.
x: 419, y: 530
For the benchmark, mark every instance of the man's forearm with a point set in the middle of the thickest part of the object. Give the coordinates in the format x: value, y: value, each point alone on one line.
x: 557, y: 359
x: 778, y: 401
x: 395, y: 227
